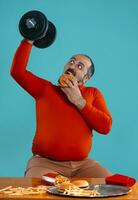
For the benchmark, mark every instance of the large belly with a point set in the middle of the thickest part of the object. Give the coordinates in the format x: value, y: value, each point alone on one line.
x: 61, y: 133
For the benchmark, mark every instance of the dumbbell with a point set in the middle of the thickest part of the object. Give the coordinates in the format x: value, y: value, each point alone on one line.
x: 35, y: 26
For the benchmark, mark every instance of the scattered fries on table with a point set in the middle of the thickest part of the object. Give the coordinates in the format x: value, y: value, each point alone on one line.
x: 10, y: 190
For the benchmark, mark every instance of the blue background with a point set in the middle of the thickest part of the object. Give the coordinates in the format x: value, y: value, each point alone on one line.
x: 106, y: 30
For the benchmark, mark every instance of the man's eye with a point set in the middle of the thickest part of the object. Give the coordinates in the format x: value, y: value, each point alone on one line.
x: 80, y: 66
x: 71, y: 62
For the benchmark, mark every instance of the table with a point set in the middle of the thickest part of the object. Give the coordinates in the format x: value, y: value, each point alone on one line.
x: 27, y: 182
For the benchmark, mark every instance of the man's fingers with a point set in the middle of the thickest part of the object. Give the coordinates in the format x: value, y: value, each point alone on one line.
x: 73, y: 80
x: 68, y: 82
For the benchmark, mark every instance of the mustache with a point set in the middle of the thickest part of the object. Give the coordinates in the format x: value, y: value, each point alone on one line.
x: 70, y: 71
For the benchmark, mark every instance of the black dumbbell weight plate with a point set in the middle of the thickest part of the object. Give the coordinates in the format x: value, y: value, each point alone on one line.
x: 33, y: 24
x: 49, y: 37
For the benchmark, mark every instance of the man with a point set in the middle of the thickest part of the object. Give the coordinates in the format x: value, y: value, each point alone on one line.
x: 65, y: 118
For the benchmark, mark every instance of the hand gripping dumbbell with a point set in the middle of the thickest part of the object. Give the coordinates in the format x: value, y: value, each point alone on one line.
x: 35, y: 26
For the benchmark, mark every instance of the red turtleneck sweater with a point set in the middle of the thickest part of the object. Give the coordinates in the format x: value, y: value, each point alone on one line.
x: 62, y: 131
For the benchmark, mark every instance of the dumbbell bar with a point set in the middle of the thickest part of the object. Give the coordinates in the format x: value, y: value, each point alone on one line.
x: 35, y: 26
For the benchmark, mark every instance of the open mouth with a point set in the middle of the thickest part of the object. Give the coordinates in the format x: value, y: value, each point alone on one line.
x: 70, y: 71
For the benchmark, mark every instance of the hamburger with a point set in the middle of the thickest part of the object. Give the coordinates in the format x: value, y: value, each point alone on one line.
x: 81, y: 183
x: 67, y: 186
x: 62, y: 78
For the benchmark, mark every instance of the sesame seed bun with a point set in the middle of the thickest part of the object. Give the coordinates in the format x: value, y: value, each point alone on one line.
x: 64, y: 186
x: 81, y: 183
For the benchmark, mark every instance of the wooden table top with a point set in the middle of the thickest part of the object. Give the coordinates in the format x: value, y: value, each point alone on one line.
x: 33, y: 182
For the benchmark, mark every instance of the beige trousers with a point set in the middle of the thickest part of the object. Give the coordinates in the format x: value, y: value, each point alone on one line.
x: 38, y: 166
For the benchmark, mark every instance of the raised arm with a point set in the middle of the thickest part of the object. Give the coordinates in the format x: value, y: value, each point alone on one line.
x: 97, y: 114
x: 30, y: 82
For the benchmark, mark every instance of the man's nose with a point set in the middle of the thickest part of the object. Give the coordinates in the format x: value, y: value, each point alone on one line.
x: 72, y: 66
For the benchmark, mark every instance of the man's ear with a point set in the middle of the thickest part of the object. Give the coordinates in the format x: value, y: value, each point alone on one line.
x: 86, y: 78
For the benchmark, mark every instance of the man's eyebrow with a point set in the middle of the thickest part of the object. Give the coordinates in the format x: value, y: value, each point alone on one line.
x: 72, y: 58
x: 82, y: 64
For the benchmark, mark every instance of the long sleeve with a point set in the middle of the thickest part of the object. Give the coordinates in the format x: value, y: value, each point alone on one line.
x: 30, y: 82
x: 97, y: 115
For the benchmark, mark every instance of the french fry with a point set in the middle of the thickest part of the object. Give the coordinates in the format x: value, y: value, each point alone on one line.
x: 41, y: 189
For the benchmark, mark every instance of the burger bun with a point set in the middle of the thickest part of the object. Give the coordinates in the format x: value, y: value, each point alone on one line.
x: 81, y: 183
